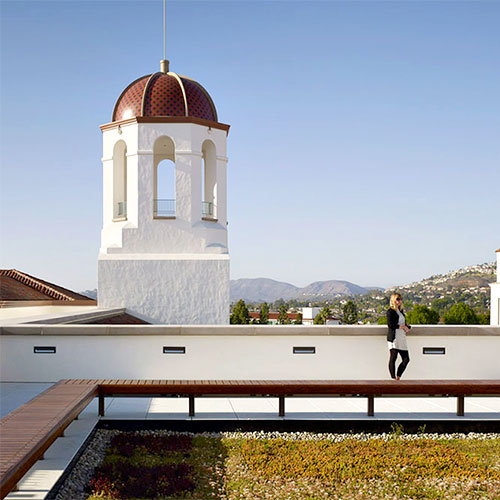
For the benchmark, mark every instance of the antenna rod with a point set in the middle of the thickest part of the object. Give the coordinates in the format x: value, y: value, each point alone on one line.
x: 164, y: 63
x: 164, y: 30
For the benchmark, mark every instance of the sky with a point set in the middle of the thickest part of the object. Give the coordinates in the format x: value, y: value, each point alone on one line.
x: 364, y: 142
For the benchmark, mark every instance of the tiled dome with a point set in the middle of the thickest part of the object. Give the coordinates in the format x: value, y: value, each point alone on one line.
x: 164, y: 94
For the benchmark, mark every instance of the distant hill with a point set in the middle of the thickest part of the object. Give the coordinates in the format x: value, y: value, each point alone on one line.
x: 261, y: 290
x: 472, y: 280
x: 91, y: 294
x: 267, y: 290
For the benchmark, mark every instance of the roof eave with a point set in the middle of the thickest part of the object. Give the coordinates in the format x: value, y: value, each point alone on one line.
x: 166, y: 119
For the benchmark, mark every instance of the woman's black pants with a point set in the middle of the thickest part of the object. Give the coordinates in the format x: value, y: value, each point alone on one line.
x: 405, y: 359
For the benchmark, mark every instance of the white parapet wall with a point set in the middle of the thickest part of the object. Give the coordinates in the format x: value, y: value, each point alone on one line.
x: 241, y: 352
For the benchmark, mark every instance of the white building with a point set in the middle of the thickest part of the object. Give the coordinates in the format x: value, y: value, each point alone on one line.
x: 164, y: 254
x: 495, y: 296
x: 309, y: 313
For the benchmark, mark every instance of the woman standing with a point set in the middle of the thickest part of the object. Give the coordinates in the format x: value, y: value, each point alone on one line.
x: 396, y: 336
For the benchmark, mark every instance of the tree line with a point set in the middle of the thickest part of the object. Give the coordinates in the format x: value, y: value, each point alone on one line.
x: 417, y: 314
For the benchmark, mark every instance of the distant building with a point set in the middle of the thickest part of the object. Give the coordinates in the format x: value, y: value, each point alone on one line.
x: 21, y: 289
x: 309, y: 313
x: 273, y: 317
x: 495, y: 296
x: 27, y: 299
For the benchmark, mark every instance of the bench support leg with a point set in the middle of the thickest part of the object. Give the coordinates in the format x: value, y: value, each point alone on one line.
x: 460, y: 405
x: 101, y: 405
x: 191, y: 406
x: 281, y: 404
x: 371, y: 405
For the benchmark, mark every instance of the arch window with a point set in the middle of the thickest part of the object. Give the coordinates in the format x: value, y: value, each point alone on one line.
x: 209, y: 181
x: 120, y: 180
x: 164, y: 178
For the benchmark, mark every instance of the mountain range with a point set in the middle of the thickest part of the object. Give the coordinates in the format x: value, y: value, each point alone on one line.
x: 268, y: 290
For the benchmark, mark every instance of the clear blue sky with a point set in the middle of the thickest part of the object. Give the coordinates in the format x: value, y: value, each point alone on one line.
x: 364, y: 140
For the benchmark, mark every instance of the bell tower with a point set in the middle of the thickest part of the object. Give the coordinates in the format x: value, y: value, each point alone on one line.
x: 164, y: 254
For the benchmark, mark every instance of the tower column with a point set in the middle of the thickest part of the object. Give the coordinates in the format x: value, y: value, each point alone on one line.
x: 136, y: 164
x: 222, y: 190
x: 188, y: 185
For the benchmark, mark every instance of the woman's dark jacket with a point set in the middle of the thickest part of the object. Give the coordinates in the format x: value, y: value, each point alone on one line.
x: 393, y: 323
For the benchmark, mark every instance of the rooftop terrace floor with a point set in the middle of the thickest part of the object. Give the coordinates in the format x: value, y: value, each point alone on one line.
x: 43, y: 475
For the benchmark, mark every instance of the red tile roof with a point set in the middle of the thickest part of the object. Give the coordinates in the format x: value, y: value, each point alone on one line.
x: 164, y: 94
x: 273, y: 315
x: 15, y: 285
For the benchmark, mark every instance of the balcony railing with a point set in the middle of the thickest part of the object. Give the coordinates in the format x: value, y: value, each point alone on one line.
x: 207, y: 209
x: 121, y: 209
x: 164, y: 208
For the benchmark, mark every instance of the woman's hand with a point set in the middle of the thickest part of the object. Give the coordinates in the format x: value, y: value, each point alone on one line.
x: 405, y: 328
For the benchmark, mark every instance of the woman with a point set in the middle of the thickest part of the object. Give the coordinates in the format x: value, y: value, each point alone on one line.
x: 396, y: 336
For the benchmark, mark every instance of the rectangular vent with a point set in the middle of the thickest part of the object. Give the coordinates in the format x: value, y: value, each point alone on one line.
x: 174, y: 350
x: 44, y: 349
x: 434, y: 350
x: 304, y: 350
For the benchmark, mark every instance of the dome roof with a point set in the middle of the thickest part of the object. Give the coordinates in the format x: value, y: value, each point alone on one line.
x: 164, y: 94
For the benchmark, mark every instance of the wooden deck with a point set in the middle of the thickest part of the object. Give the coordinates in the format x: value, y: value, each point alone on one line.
x: 27, y: 432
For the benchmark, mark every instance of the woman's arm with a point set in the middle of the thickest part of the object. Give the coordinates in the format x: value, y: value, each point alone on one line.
x: 392, y: 319
x: 392, y: 324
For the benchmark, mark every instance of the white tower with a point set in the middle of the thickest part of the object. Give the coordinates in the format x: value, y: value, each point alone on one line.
x: 495, y: 296
x: 164, y: 253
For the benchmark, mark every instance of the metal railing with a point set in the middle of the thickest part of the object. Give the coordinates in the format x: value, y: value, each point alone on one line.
x: 207, y: 209
x: 164, y: 208
x: 121, y: 209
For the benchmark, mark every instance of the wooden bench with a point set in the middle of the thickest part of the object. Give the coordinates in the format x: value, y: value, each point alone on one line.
x: 288, y: 388
x: 27, y: 432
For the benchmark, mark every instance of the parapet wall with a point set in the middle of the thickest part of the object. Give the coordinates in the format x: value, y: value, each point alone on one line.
x: 241, y: 352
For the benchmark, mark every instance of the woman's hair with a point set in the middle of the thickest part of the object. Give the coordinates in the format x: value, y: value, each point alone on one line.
x: 393, y: 302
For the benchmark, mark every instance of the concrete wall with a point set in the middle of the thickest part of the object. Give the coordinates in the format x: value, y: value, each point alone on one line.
x: 241, y: 352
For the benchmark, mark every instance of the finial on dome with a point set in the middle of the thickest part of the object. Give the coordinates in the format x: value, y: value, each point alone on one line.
x: 164, y: 63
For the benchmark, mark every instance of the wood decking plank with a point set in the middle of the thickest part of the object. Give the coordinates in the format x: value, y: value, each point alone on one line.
x: 27, y: 432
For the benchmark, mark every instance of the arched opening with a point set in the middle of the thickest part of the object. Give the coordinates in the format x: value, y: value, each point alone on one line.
x: 209, y: 181
x: 164, y: 178
x: 120, y: 180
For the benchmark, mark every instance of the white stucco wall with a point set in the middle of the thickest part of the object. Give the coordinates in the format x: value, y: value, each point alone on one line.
x: 495, y: 296
x: 167, y: 289
x: 142, y: 233
x: 241, y: 352
x: 165, y: 270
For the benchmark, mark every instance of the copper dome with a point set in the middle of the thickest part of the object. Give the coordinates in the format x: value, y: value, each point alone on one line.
x: 164, y: 94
